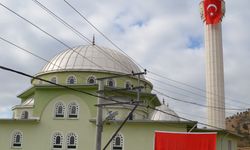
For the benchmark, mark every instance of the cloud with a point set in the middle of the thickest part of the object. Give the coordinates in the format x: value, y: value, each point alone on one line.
x: 164, y: 36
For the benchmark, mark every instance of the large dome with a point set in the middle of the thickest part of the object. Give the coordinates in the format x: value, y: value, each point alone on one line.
x: 91, y: 58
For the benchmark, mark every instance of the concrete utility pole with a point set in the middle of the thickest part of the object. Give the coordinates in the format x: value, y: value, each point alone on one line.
x: 100, y: 104
x: 212, y: 12
x: 99, y: 117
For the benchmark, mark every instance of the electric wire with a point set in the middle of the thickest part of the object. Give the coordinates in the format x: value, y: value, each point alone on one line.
x: 194, y: 103
x: 196, y: 88
x: 115, y: 45
x: 230, y: 112
x: 106, y: 98
x: 28, y: 51
x: 56, y: 84
x: 25, y: 50
x: 30, y: 22
x: 179, y: 88
x: 186, y: 96
x: 79, y: 34
x: 50, y: 35
x: 198, y: 122
x: 154, y: 90
x: 106, y: 37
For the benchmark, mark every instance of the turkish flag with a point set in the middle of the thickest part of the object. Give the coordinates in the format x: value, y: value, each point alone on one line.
x: 212, y: 11
x: 184, y: 141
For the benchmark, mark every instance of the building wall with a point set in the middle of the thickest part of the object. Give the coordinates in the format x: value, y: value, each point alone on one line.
x: 223, y: 141
x: 38, y: 135
x: 82, y: 78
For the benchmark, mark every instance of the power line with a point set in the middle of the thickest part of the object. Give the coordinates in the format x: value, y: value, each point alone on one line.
x: 196, y: 88
x: 105, y: 98
x: 88, y: 93
x: 179, y: 88
x: 79, y: 34
x: 30, y: 22
x: 231, y: 113
x: 201, y: 123
x: 115, y: 45
x: 91, y: 24
x: 194, y: 103
x: 47, y: 33
x: 59, y: 85
x: 175, y: 93
x: 27, y: 51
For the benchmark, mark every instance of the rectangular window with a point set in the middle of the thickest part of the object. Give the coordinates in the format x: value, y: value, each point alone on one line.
x: 59, y: 115
x: 73, y: 116
x: 72, y: 146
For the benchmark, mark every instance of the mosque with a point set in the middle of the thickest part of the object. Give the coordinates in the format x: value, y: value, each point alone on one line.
x: 57, y: 118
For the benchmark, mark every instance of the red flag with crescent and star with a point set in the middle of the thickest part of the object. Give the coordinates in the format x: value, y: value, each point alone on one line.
x: 212, y: 11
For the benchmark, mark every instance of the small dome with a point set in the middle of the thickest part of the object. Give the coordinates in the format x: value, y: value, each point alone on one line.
x: 91, y: 58
x: 157, y: 115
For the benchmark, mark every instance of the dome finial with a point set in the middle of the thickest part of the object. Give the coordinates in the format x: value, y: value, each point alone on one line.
x: 93, y: 42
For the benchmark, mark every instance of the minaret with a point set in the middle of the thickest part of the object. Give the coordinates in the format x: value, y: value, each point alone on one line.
x: 212, y: 12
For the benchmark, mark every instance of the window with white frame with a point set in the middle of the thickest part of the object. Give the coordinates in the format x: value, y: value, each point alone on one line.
x: 53, y: 79
x: 25, y: 115
x: 57, y: 140
x: 110, y: 83
x: 59, y: 110
x: 71, y: 80
x: 91, y: 80
x: 17, y: 138
x: 71, y: 141
x: 117, y: 142
x: 73, y: 110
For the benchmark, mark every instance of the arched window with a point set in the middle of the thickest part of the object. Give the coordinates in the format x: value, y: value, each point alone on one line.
x: 53, y: 79
x: 25, y: 115
x: 71, y: 141
x: 17, y: 138
x: 110, y: 83
x: 117, y: 142
x: 91, y: 80
x: 57, y: 140
x: 59, y: 110
x: 128, y: 85
x: 73, y: 110
x: 71, y: 80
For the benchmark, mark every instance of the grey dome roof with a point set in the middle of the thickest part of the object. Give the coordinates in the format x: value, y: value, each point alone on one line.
x: 157, y: 115
x: 91, y: 58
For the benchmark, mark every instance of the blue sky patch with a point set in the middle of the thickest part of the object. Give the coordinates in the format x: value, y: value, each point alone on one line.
x: 195, y: 42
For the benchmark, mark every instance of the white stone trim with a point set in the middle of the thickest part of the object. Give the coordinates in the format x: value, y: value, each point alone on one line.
x: 68, y: 78
x: 68, y: 140
x: 64, y: 110
x: 122, y: 141
x: 52, y: 140
x: 77, y: 111
x: 114, y: 82
x: 88, y: 77
x: 12, y: 139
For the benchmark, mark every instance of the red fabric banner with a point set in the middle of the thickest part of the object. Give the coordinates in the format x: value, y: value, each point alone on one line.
x: 185, y: 141
x: 212, y: 11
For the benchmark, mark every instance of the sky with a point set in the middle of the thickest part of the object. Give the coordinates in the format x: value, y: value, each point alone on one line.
x: 166, y: 37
